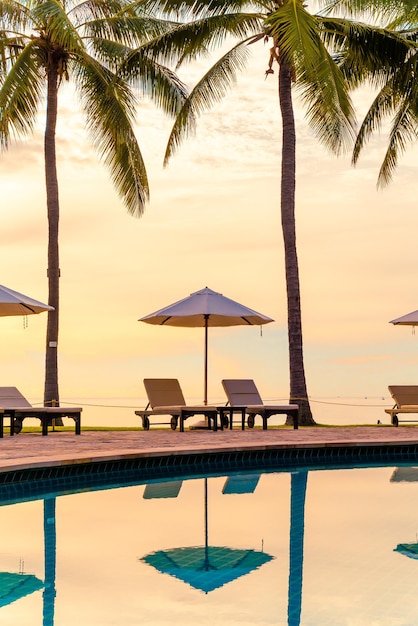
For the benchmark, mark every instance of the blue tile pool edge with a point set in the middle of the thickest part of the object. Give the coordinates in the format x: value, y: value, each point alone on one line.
x: 60, y: 479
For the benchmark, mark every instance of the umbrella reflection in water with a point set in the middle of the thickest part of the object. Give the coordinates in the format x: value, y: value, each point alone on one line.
x: 206, y: 567
x: 14, y: 586
x: 410, y: 475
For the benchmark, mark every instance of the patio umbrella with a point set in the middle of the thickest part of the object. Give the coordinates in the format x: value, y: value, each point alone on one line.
x: 206, y: 308
x: 206, y: 567
x: 410, y: 319
x: 15, y: 303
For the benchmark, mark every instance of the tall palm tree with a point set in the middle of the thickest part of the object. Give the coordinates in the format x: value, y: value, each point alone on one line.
x: 297, y: 49
x: 44, y: 42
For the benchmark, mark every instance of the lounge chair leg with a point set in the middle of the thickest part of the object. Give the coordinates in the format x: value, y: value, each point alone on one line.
x: 15, y: 426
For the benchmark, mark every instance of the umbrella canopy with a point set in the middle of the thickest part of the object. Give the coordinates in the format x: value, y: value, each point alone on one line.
x: 408, y: 549
x: 15, y: 586
x: 15, y: 303
x: 206, y: 568
x: 206, y: 308
x: 410, y: 319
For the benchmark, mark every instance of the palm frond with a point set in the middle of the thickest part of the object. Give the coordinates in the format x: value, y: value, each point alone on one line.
x: 14, y: 16
x: 109, y: 52
x: 382, y: 106
x: 110, y: 109
x: 295, y: 32
x: 52, y: 17
x: 383, y: 11
x: 133, y: 31
x: 404, y: 131
x: 90, y: 10
x: 209, y: 90
x: 20, y: 92
x: 188, y: 10
x: 329, y: 108
x: 153, y: 80
x: 365, y: 52
x: 194, y: 39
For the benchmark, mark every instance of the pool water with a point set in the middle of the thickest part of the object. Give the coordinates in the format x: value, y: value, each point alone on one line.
x: 307, y: 548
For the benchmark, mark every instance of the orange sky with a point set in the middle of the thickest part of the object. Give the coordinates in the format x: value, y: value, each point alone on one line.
x: 213, y: 220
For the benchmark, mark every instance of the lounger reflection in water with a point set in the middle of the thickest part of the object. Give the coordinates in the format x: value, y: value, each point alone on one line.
x: 243, y: 397
x: 167, y: 489
x: 165, y: 397
x: 17, y: 408
x: 240, y: 484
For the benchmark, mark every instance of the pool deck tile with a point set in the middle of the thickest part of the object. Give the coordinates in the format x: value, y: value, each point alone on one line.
x: 32, y: 450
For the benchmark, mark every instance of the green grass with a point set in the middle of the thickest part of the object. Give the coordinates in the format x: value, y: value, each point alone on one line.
x: 69, y: 429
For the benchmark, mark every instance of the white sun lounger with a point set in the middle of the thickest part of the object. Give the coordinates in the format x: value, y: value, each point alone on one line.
x: 406, y: 402
x: 165, y: 397
x: 243, y: 397
x: 17, y: 408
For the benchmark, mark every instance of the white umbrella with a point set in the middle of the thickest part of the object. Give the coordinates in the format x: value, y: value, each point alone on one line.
x: 15, y: 303
x: 206, y: 308
x: 410, y: 319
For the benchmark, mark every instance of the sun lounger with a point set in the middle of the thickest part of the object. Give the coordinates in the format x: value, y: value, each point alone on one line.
x: 243, y: 397
x: 17, y: 408
x: 165, y: 397
x: 406, y: 402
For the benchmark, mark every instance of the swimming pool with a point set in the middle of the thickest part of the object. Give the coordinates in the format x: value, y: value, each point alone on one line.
x: 310, y: 547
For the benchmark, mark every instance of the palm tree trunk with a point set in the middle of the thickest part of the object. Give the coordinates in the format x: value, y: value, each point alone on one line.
x: 298, y: 391
x: 51, y: 395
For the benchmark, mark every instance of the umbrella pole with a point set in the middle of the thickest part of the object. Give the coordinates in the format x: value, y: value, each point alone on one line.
x: 205, y: 400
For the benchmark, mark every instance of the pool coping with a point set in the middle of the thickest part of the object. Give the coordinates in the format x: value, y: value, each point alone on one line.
x: 59, y: 449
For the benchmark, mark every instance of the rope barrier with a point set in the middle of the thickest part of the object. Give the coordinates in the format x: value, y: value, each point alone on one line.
x: 220, y: 402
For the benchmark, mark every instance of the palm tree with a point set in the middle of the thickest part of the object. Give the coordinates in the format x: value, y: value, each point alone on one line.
x: 44, y: 42
x: 309, y: 51
x: 297, y: 48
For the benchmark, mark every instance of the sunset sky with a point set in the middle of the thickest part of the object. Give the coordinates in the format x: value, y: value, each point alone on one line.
x: 213, y: 220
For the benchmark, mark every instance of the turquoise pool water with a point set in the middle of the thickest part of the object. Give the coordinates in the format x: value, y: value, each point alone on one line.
x: 303, y: 548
